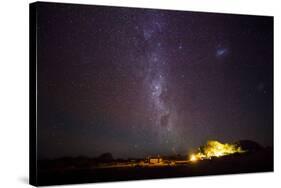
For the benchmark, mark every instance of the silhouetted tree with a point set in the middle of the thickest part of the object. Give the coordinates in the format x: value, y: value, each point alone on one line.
x: 249, y: 146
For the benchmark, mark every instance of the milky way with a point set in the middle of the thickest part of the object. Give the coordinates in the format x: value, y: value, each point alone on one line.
x: 156, y: 77
x: 139, y: 82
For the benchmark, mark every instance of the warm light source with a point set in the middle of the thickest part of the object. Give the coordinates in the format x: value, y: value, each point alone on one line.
x: 215, y: 149
x: 193, y: 158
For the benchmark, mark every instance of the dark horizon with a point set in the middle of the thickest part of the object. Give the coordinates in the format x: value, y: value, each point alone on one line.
x: 185, y: 155
x: 137, y: 82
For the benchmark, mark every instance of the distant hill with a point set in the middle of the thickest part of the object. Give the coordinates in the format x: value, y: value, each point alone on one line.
x: 249, y: 145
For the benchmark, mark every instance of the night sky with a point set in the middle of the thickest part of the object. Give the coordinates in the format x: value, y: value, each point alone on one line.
x: 138, y: 82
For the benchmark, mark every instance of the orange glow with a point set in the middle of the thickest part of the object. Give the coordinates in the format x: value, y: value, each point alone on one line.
x: 193, y: 158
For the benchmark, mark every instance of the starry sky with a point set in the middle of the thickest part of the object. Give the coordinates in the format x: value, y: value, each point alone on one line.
x: 138, y: 82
